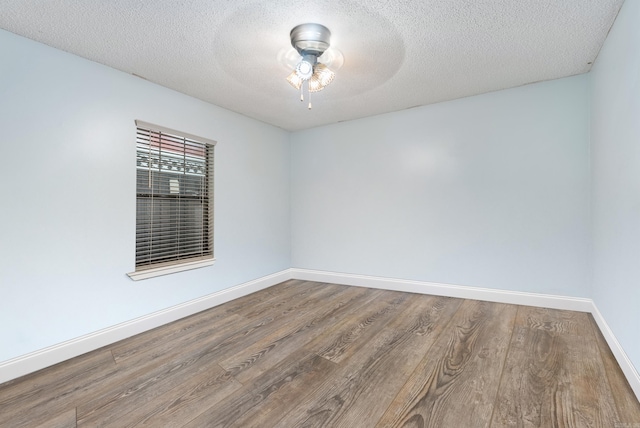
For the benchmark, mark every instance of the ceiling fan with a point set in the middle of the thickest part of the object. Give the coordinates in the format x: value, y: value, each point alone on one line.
x: 311, y: 41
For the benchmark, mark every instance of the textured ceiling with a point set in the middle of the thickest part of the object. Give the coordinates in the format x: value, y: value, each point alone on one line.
x: 397, y: 53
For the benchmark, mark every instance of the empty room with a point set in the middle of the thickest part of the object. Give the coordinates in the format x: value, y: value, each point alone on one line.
x: 330, y: 214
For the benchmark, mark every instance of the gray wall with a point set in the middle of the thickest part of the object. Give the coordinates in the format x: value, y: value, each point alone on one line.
x: 489, y: 191
x: 615, y: 144
x: 68, y: 191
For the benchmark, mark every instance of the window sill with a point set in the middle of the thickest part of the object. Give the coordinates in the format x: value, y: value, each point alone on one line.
x: 166, y: 270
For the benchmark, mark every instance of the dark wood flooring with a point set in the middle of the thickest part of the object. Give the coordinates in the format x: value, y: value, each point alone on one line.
x: 306, y: 354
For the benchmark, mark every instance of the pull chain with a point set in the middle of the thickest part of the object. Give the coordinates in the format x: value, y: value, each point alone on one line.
x: 308, y: 94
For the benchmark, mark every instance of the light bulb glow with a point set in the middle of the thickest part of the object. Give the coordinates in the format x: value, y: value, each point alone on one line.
x: 294, y: 80
x: 322, y: 76
x: 319, y: 77
x: 314, y: 85
x: 304, y: 70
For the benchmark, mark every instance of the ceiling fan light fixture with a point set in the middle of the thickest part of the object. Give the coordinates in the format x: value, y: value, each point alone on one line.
x: 311, y: 41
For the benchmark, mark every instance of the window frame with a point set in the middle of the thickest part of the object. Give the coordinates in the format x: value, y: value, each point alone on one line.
x: 164, y: 268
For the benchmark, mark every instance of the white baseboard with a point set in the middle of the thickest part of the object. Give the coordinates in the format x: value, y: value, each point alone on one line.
x: 579, y: 304
x: 492, y: 295
x: 49, y: 356
x: 625, y: 364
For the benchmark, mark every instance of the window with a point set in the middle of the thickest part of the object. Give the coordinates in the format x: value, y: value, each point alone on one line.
x: 174, y: 201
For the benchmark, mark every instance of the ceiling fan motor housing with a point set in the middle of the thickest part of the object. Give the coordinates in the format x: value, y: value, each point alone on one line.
x: 310, y: 39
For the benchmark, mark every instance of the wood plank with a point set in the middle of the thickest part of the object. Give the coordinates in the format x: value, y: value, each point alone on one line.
x: 456, y: 383
x: 110, y: 408
x: 286, y: 296
x: 269, y: 351
x: 176, y: 406
x: 293, y: 374
x: 376, y: 316
x: 63, y: 420
x: 158, y: 372
x: 627, y: 405
x: 162, y: 409
x: 32, y: 400
x: 305, y: 308
x: 194, y: 324
x: 553, y: 375
x: 187, y: 354
x: 54, y: 376
x: 263, y: 401
x: 268, y: 411
x: 376, y: 372
x: 242, y: 329
x: 155, y: 342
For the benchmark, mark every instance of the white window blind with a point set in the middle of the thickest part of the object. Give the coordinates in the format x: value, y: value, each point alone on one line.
x: 174, y: 198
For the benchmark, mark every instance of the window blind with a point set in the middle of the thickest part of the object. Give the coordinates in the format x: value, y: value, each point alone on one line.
x: 174, y: 197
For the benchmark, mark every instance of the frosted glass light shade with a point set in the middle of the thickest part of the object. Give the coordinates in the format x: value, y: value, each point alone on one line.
x: 320, y: 78
x: 294, y: 80
x: 322, y: 75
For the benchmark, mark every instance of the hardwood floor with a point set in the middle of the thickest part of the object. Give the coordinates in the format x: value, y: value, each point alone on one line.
x: 306, y: 354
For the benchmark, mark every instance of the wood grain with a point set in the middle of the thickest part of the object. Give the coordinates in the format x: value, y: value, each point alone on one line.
x: 376, y: 372
x: 553, y: 376
x: 455, y: 384
x: 64, y: 420
x: 180, y: 404
x: 264, y: 354
x: 308, y: 354
x: 152, y: 374
x: 265, y: 388
x: 42, y: 396
x: 376, y: 316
